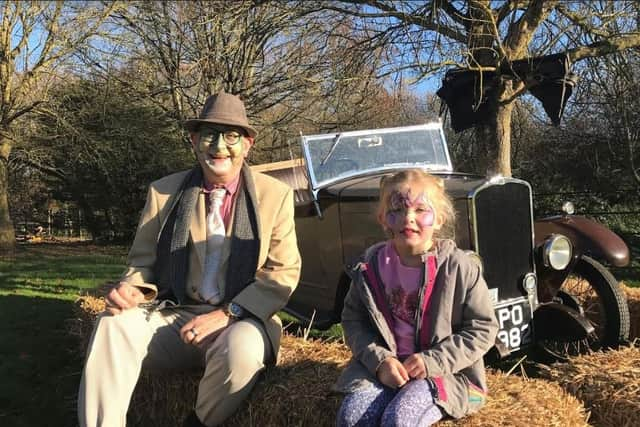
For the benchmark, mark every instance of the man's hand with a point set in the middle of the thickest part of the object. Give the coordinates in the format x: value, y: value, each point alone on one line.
x: 415, y: 366
x: 123, y: 297
x: 205, y: 327
x: 391, y: 373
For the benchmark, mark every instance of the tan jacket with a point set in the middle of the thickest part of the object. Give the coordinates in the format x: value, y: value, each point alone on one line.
x: 279, y: 260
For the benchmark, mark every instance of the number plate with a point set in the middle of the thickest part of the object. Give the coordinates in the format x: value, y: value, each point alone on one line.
x: 514, y: 322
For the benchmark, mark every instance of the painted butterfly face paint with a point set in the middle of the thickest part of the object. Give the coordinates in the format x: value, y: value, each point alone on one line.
x: 402, y: 203
x: 411, y: 219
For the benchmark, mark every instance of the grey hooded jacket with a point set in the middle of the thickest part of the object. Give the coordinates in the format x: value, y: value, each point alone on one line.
x: 460, y: 322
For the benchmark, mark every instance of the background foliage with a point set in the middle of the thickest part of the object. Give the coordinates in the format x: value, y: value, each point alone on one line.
x: 104, y: 119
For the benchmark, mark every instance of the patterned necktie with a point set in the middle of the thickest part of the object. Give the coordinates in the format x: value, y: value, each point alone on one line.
x: 215, y: 223
x: 215, y: 239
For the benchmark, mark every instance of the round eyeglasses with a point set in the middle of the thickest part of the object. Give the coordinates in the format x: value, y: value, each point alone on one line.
x: 210, y: 135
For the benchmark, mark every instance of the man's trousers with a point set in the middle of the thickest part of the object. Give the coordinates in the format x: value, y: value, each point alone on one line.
x: 121, y: 345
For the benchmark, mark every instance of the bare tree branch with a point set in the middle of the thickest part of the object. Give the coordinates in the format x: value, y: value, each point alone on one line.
x: 604, y: 47
x: 388, y: 10
x: 520, y: 33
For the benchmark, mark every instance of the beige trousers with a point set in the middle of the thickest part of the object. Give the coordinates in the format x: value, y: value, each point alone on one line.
x: 121, y: 345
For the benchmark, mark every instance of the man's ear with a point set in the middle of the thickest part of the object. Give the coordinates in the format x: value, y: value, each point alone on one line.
x: 248, y: 143
x: 195, y: 138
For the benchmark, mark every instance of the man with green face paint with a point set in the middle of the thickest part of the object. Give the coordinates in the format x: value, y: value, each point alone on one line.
x: 214, y: 259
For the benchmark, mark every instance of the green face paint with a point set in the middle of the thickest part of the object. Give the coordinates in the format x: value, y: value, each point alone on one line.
x: 221, y: 152
x: 211, y: 135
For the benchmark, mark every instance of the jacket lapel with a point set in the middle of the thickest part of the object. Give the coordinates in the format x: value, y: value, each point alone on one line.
x: 198, y: 229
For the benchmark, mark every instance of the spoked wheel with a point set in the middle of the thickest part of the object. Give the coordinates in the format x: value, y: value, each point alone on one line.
x: 593, y: 292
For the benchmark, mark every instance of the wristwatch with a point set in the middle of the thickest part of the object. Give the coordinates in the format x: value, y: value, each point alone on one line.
x: 234, y: 311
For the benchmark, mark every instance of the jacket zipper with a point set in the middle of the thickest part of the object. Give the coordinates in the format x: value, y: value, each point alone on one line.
x: 375, y: 316
x: 419, y: 313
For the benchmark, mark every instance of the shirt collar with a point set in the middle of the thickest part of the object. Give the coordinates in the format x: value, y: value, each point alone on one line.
x: 231, y: 186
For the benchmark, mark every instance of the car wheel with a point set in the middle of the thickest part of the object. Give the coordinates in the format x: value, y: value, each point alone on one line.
x: 593, y: 292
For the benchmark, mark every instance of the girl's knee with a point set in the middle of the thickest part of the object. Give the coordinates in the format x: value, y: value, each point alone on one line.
x: 363, y: 408
x: 350, y: 412
x: 413, y: 406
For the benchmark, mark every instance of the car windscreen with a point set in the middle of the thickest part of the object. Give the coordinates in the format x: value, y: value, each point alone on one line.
x: 336, y: 156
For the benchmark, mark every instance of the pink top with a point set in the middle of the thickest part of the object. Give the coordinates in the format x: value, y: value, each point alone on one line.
x: 402, y: 288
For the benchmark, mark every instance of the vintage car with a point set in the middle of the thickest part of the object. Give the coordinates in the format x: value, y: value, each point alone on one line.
x: 549, y: 287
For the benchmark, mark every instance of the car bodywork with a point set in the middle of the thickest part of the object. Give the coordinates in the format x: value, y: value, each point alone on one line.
x: 525, y: 262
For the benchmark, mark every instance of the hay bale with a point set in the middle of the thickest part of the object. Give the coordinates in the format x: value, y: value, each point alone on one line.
x: 633, y: 301
x: 297, y: 392
x: 607, y: 382
x: 518, y: 401
x: 163, y: 400
x: 86, y: 309
x: 157, y: 401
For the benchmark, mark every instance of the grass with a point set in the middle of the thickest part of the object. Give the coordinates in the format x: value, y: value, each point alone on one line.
x: 294, y: 327
x: 39, y: 361
x: 632, y: 283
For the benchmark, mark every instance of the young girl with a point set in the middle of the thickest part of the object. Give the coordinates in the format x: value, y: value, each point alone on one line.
x: 417, y: 318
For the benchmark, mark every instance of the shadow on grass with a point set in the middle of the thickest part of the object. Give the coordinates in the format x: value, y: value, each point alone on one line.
x: 40, y: 362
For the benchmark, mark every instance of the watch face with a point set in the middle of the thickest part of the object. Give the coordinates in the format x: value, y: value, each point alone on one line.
x: 235, y: 310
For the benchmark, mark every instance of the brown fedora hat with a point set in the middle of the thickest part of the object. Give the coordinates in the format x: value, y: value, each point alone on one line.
x: 223, y: 109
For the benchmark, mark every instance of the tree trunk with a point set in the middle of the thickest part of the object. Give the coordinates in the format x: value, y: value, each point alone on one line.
x: 493, y: 140
x: 7, y: 234
x: 90, y: 220
x: 502, y: 136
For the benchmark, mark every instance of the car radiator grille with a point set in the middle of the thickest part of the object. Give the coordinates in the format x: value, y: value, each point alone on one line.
x: 503, y: 235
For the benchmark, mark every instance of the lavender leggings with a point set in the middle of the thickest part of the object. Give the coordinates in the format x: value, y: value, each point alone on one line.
x: 410, y: 406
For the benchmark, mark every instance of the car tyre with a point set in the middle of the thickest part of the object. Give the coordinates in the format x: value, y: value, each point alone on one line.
x: 599, y: 298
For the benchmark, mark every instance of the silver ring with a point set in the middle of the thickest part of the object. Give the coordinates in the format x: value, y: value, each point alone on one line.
x: 193, y: 331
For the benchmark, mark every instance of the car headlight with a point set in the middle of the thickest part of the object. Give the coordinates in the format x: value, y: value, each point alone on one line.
x: 568, y: 208
x: 476, y: 259
x: 557, y: 252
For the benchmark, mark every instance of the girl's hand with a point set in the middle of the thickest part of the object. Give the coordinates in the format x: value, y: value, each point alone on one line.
x: 415, y: 366
x: 391, y: 373
x: 205, y: 327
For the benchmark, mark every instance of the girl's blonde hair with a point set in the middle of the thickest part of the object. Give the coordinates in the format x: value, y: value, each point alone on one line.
x: 433, y: 186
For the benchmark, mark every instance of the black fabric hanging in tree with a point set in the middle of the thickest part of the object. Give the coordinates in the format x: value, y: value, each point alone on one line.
x: 548, y: 78
x: 466, y: 93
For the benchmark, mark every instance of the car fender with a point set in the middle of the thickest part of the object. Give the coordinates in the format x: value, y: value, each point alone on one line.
x: 587, y: 237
